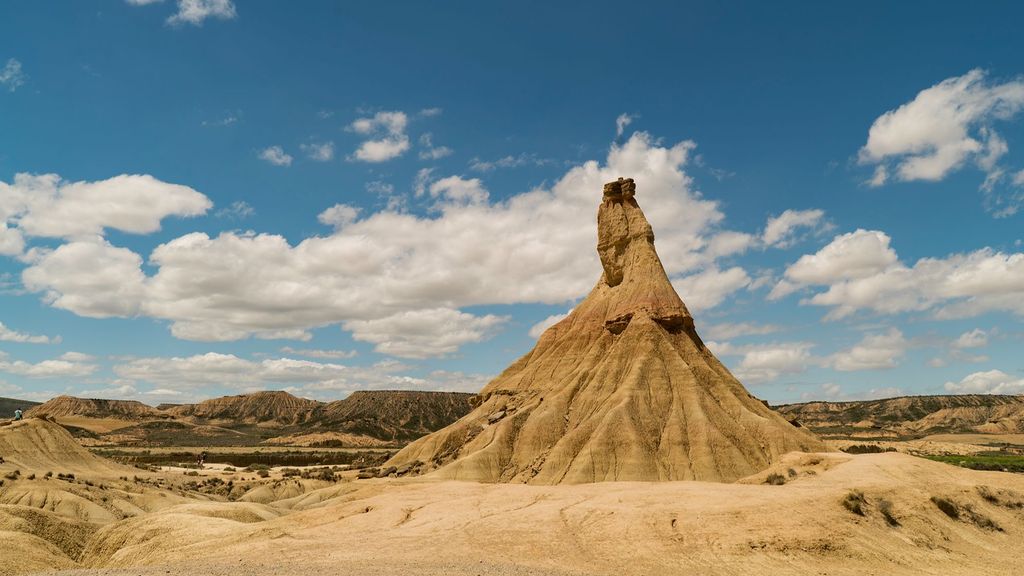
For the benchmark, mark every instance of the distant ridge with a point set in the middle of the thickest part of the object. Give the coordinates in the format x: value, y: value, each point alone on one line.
x: 394, y: 414
x: 65, y: 406
x: 913, y: 415
x: 270, y: 407
x: 9, y: 405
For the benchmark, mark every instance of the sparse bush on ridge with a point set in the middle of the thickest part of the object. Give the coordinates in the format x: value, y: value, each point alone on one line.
x: 885, y: 507
x: 855, y: 502
x: 775, y: 479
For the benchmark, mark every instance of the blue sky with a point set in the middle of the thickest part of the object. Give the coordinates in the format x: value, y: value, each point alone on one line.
x: 204, y: 197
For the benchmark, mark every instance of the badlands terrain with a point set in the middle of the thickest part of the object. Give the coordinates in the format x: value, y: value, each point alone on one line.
x: 618, y: 445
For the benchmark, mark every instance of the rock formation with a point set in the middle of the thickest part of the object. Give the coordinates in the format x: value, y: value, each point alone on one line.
x: 621, y: 389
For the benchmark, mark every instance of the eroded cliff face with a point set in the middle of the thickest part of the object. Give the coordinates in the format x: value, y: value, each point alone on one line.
x: 621, y: 389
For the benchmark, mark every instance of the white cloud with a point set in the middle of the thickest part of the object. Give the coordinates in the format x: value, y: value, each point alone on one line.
x: 196, y: 11
x: 388, y: 138
x: 68, y: 366
x: 537, y: 246
x: 729, y: 242
x: 766, y: 362
x: 319, y: 152
x: 780, y: 231
x: 238, y: 210
x: 710, y: 287
x: 191, y: 375
x: 873, y: 352
x: 862, y: 271
x: 429, y: 151
x: 142, y: 2
x: 942, y: 129
x: 339, y: 215
x: 990, y: 382
x: 276, y: 156
x: 455, y: 190
x: 324, y: 354
x: 537, y: 329
x: 424, y: 333
x: 478, y: 165
x: 727, y: 331
x: 11, y: 76
x: 621, y: 123
x: 45, y: 205
x: 976, y: 338
x: 8, y: 335
x: 92, y: 279
x: 12, y: 243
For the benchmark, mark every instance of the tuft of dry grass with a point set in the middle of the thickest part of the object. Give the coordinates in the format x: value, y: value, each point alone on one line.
x: 855, y: 502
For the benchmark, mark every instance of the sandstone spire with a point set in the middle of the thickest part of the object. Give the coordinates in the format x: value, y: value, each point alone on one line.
x: 621, y: 389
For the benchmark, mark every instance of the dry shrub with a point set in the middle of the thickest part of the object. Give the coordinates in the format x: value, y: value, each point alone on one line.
x: 855, y: 502
x: 775, y: 479
x: 885, y: 507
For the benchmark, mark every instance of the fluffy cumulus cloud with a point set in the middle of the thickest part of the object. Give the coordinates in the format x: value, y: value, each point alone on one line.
x: 89, y: 278
x: 782, y: 231
x: 727, y: 331
x: 710, y: 287
x: 339, y: 216
x: 944, y: 128
x: 763, y: 363
x: 386, y: 136
x: 873, y: 352
x: 424, y: 333
x: 47, y: 206
x: 537, y: 246
x: 195, y: 12
x: 989, y: 382
x: 11, y: 76
x: 192, y: 375
x: 275, y: 155
x: 67, y: 366
x: 861, y: 271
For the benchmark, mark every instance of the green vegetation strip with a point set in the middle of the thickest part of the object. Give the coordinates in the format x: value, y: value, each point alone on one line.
x: 982, y: 461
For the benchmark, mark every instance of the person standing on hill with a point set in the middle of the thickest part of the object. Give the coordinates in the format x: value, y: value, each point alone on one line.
x: 17, y: 413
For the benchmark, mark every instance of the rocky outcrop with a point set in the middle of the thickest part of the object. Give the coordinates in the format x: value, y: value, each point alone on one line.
x: 274, y: 408
x: 394, y: 415
x: 912, y: 416
x: 65, y: 406
x: 621, y: 389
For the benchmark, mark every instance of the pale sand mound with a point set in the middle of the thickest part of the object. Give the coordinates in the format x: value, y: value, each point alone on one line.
x: 37, y: 446
x: 22, y: 553
x: 327, y: 439
x: 457, y: 528
x: 621, y: 389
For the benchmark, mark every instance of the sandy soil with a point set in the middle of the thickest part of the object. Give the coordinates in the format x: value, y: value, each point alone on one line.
x: 107, y: 521
x: 429, y: 527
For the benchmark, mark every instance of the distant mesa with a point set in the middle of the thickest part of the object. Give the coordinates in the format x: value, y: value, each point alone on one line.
x: 621, y: 389
x: 66, y: 406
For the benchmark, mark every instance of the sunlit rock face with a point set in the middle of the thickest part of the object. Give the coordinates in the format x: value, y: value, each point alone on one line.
x: 621, y: 389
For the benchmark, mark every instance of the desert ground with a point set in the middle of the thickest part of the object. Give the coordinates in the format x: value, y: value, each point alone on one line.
x: 823, y: 513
